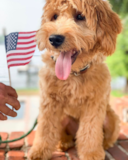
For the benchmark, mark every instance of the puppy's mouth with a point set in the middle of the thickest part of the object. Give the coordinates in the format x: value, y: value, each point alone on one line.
x: 64, y: 63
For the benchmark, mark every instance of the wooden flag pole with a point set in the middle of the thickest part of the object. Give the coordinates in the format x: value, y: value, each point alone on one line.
x: 9, y: 76
x: 10, y: 82
x: 4, y: 33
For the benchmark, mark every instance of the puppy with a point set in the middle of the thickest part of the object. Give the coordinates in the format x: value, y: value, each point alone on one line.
x: 78, y: 35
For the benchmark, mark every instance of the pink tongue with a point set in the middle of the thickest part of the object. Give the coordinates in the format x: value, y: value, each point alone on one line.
x: 63, y: 65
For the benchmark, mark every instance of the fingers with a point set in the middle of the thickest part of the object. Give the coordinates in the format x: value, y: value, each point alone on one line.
x: 4, y: 109
x: 2, y: 117
x: 2, y: 86
x: 9, y: 96
x: 11, y: 92
x: 13, y: 102
x: 8, y: 90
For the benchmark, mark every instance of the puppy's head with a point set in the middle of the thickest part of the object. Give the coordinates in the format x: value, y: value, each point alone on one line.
x: 78, y: 31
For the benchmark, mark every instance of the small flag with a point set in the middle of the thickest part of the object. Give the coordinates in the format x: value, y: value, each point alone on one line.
x: 20, y: 47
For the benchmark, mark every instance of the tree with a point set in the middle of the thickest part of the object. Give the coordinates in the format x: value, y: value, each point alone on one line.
x: 120, y: 6
x: 118, y: 62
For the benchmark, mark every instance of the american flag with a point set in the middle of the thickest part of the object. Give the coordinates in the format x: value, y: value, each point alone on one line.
x: 20, y: 47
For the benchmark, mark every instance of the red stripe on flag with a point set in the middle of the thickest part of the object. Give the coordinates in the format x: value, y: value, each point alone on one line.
x: 27, y: 32
x: 20, y: 54
x: 25, y: 42
x: 26, y: 48
x: 26, y: 37
x: 19, y: 59
x: 19, y: 64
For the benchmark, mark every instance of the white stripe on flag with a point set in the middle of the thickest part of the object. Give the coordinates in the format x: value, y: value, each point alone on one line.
x: 20, y: 51
x: 26, y: 40
x: 18, y: 62
x: 26, y: 35
x: 20, y: 56
x: 26, y: 45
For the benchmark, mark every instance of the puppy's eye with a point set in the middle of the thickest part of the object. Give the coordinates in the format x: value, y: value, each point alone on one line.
x: 80, y: 17
x: 54, y: 17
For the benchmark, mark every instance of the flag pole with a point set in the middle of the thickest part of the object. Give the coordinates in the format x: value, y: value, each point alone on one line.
x: 10, y: 82
x: 9, y: 76
x: 4, y: 33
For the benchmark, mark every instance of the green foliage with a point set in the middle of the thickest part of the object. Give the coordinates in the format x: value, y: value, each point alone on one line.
x: 118, y: 62
x: 116, y: 93
x: 120, y: 6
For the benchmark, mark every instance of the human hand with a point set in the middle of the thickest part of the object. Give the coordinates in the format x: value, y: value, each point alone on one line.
x: 9, y: 96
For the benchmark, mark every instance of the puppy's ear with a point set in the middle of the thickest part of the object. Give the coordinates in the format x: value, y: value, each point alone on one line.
x: 40, y: 40
x: 108, y: 27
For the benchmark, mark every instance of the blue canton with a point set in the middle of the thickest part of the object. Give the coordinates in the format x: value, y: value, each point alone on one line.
x: 11, y: 41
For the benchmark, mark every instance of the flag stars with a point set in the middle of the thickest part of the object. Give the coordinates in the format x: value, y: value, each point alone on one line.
x: 11, y: 41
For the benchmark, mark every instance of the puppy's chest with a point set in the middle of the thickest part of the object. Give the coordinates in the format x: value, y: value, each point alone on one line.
x: 72, y: 96
x: 69, y: 92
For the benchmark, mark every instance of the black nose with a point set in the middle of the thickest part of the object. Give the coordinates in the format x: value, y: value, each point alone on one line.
x: 56, y: 40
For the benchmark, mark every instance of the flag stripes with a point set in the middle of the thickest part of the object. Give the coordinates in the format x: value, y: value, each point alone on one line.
x: 21, y: 43
x: 14, y: 54
x: 26, y: 40
x: 18, y: 59
x: 26, y: 37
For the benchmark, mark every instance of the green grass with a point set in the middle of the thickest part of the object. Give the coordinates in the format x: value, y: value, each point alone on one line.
x: 117, y: 93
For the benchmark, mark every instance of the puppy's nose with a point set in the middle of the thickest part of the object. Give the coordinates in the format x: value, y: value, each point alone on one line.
x: 56, y: 40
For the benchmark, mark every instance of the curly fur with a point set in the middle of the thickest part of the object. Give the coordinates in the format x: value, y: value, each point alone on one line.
x: 84, y: 97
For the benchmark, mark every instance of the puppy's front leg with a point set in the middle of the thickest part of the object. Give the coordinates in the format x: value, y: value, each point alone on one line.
x: 48, y: 132
x: 90, y: 133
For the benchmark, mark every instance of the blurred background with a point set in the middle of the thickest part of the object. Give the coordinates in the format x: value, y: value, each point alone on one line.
x: 22, y: 15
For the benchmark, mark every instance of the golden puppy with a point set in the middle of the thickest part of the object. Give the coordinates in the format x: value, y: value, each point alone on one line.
x: 78, y: 35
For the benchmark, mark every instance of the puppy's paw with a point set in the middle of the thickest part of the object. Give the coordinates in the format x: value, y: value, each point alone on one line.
x: 35, y: 154
x: 93, y: 156
x: 65, y: 144
x: 107, y: 144
x: 39, y: 154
